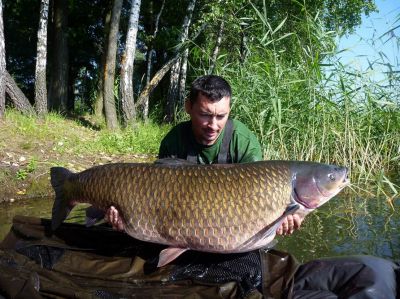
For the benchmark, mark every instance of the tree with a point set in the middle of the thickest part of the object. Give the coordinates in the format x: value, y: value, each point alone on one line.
x: 2, y: 65
x: 21, y: 103
x: 216, y: 48
x: 150, y: 54
x: 99, y: 101
x: 109, y: 67
x: 128, y: 58
x: 58, y: 89
x: 178, y: 70
x: 41, y: 60
x: 145, y: 94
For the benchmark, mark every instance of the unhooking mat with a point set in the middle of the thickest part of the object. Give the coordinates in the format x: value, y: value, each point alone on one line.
x: 98, y: 262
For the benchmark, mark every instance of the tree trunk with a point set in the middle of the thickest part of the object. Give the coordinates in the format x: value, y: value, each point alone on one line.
x: 216, y: 48
x: 109, y: 67
x: 2, y: 65
x: 150, y: 54
x: 99, y: 101
x: 243, y: 47
x: 40, y: 73
x: 174, y: 92
x: 145, y: 94
x: 128, y: 59
x: 182, y: 78
x: 58, y: 90
x: 21, y: 103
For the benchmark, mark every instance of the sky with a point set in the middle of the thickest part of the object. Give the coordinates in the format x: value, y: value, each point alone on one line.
x: 367, y: 43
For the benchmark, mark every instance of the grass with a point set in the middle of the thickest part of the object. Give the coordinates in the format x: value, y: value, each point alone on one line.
x: 58, y: 134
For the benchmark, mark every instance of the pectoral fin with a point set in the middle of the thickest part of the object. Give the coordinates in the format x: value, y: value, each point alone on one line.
x: 169, y: 254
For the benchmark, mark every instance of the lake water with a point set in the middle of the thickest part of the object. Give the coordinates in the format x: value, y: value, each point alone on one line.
x: 343, y: 226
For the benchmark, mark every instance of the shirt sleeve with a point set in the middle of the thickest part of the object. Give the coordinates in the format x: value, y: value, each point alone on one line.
x: 246, y: 147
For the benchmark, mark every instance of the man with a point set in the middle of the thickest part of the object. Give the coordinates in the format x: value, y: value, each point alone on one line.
x: 209, y: 137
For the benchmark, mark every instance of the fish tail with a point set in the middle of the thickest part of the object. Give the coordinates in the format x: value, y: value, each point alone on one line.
x: 61, y: 207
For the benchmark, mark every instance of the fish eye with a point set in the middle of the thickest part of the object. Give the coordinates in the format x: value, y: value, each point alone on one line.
x: 331, y: 176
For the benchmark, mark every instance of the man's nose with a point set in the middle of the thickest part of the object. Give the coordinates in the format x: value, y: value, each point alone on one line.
x: 212, y: 124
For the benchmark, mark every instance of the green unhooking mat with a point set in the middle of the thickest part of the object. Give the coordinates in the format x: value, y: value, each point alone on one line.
x: 98, y: 262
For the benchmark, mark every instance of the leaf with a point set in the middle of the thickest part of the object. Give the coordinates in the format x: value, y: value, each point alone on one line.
x: 280, y: 25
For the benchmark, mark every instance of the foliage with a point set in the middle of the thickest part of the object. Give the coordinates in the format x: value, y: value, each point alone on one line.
x: 277, y: 55
x: 309, y: 112
x: 86, y: 35
x: 24, y: 172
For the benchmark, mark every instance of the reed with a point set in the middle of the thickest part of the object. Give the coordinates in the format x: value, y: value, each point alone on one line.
x: 312, y: 107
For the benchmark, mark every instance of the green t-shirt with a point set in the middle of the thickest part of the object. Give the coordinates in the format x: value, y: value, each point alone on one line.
x: 244, y: 146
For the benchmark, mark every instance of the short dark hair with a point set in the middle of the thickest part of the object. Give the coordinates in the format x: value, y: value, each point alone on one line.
x: 211, y: 86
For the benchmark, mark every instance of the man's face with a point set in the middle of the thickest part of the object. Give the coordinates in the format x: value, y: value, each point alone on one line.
x: 208, y: 118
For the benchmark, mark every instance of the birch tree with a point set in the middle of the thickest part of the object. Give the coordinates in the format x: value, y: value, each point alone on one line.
x: 58, y: 89
x: 41, y: 60
x: 128, y: 59
x: 176, y: 81
x: 216, y: 48
x: 2, y: 65
x: 109, y: 67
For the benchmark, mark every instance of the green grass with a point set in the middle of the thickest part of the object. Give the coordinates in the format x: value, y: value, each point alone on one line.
x: 60, y: 135
x: 144, y: 138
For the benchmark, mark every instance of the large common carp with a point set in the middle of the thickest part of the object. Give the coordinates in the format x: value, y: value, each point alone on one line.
x: 223, y: 208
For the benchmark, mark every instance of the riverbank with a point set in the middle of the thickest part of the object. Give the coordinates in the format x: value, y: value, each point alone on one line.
x: 29, y: 147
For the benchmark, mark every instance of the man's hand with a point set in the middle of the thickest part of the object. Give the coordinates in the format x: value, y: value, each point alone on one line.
x: 290, y: 224
x: 112, y: 216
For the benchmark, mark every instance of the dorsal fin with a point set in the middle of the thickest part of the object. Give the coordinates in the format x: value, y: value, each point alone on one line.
x: 173, y: 162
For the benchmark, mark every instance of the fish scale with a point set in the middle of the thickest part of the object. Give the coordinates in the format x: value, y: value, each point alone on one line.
x: 215, y: 208
x: 240, y: 206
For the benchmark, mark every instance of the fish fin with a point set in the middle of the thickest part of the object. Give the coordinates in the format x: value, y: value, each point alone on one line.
x: 167, y: 255
x: 173, y: 162
x: 266, y: 235
x: 61, y: 206
x: 93, y: 215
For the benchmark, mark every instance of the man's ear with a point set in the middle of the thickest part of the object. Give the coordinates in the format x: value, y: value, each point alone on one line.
x: 188, y: 106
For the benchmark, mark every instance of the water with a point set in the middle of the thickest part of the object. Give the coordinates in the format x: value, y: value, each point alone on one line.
x: 344, y: 226
x: 348, y: 227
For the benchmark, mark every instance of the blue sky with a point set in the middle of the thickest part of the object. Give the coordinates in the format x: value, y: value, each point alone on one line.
x: 367, y: 43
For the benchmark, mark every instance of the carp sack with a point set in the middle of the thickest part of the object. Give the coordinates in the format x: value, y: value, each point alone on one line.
x: 224, y: 208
